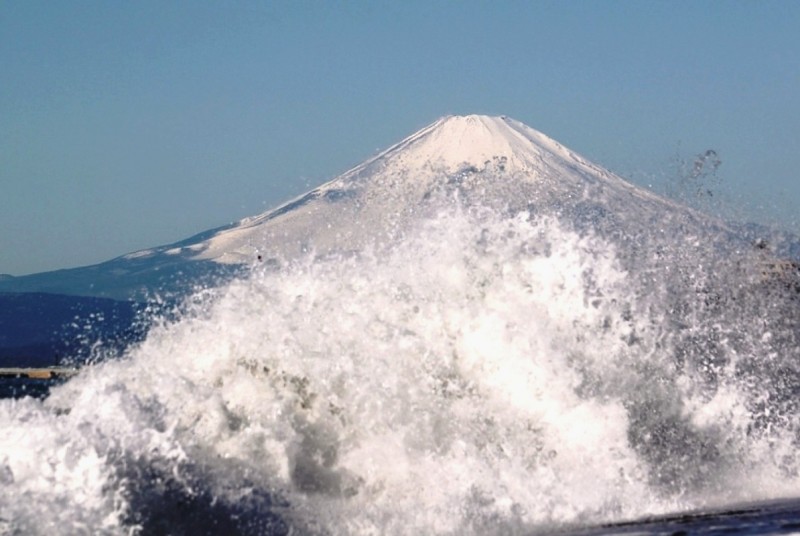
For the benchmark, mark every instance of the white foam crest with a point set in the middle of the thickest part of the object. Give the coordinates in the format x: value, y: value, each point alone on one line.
x: 483, y: 374
x: 453, y: 368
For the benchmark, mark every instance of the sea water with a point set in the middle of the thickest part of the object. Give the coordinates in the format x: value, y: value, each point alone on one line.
x: 479, y: 373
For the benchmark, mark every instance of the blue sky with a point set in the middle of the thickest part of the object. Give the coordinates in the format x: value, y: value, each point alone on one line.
x: 125, y: 125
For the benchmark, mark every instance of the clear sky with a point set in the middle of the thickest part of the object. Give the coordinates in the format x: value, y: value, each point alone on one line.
x: 125, y: 125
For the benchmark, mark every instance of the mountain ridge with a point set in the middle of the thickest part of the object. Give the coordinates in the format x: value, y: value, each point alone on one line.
x: 489, y: 159
x: 493, y: 160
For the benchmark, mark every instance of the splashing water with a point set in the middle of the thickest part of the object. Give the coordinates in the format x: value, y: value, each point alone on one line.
x: 482, y: 373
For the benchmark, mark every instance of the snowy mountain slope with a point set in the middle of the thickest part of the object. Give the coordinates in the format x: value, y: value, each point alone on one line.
x: 492, y: 161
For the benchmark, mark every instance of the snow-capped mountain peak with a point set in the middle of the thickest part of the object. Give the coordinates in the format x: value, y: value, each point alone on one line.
x: 496, y: 162
x: 454, y: 142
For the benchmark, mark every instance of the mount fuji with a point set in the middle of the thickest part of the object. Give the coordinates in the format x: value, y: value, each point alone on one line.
x: 495, y: 162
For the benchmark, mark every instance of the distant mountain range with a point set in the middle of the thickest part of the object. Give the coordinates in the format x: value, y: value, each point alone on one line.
x: 494, y: 161
x: 40, y: 330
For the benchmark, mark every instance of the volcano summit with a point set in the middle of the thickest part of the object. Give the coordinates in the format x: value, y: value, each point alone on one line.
x: 493, y: 161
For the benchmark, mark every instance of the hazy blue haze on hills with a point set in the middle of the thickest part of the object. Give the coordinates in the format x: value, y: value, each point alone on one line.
x: 42, y: 330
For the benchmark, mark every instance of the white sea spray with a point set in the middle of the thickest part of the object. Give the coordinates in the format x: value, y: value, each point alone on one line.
x: 479, y: 374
